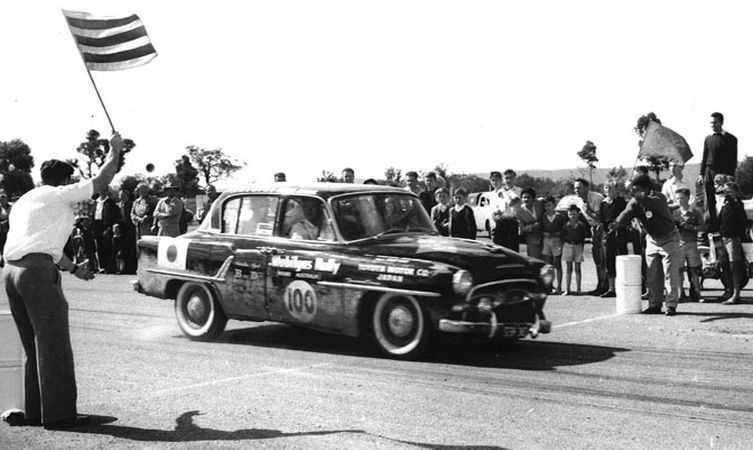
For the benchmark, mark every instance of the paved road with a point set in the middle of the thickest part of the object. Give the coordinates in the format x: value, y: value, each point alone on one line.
x: 597, y: 381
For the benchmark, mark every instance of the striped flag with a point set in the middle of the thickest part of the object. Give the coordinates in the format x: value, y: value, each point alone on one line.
x: 110, y: 43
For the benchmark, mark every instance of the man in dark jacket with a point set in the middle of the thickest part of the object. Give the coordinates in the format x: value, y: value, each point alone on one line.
x: 719, y: 157
x: 106, y: 214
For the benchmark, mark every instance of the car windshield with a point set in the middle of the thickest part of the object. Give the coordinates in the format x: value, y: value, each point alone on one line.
x: 367, y: 215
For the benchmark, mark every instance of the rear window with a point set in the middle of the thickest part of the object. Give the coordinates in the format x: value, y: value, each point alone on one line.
x: 251, y: 215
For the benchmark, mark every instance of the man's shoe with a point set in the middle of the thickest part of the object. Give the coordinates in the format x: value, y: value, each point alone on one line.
x: 724, y: 297
x: 732, y: 301
x: 652, y: 310
x: 79, y: 420
x: 608, y: 294
x: 596, y: 292
x: 671, y: 311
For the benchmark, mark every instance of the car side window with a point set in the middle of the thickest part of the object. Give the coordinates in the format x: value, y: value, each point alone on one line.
x: 252, y: 215
x: 306, y: 219
x: 230, y: 211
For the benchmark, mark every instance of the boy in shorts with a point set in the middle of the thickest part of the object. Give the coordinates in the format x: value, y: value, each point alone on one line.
x: 574, y: 234
x: 689, y: 219
x: 552, y: 224
x: 732, y: 221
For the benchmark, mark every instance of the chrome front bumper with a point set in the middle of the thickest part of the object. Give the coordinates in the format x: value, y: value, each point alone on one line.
x: 493, y: 328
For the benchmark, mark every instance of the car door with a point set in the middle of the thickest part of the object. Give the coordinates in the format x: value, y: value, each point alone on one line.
x: 247, y: 224
x: 303, y: 253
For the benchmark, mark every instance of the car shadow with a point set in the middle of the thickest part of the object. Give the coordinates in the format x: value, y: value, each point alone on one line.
x: 714, y: 316
x: 447, y: 349
x: 186, y: 430
x: 521, y: 355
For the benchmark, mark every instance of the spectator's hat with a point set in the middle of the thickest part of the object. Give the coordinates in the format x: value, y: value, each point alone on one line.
x: 170, y: 185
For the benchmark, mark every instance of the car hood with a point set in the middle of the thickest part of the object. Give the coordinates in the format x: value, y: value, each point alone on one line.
x: 485, y: 261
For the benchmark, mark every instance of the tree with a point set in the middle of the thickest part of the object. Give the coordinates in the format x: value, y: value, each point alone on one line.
x: 213, y: 165
x: 744, y: 176
x: 186, y: 177
x: 469, y: 182
x: 642, y: 124
x: 654, y: 164
x: 393, y: 176
x: 588, y: 155
x: 618, y: 174
x: 129, y: 182
x: 328, y: 177
x: 15, y: 167
x: 93, y: 152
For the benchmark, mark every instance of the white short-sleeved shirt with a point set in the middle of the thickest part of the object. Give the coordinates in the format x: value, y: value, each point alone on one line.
x: 670, y: 187
x: 42, y: 220
x: 502, y: 198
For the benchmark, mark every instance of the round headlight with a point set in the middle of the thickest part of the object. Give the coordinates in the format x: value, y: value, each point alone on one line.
x: 462, y: 282
x: 547, y: 274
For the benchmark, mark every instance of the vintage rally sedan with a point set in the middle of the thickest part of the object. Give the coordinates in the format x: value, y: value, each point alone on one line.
x: 357, y: 260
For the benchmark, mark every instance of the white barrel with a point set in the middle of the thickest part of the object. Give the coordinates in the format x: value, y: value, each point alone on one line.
x: 628, y: 299
x: 628, y: 268
x: 11, y: 364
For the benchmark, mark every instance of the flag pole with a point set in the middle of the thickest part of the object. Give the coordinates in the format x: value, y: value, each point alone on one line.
x: 107, y: 114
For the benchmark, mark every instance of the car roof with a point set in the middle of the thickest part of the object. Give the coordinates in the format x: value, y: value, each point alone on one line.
x: 324, y: 190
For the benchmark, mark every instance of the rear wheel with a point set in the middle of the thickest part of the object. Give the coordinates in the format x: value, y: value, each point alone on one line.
x: 401, y: 329
x: 199, y: 315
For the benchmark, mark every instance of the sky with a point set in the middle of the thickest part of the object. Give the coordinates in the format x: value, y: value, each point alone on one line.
x: 305, y: 86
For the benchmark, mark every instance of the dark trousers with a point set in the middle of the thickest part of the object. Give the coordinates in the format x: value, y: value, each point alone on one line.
x: 506, y: 233
x: 614, y: 244
x: 103, y: 237
x: 40, y: 311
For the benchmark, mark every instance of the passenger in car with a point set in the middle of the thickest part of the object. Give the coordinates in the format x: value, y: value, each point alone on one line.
x: 392, y: 215
x: 303, y: 222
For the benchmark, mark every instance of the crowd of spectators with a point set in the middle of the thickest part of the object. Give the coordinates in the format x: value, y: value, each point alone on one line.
x: 106, y: 231
x: 662, y: 224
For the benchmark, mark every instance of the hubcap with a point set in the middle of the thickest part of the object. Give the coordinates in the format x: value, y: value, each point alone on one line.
x: 196, y: 309
x: 400, y: 321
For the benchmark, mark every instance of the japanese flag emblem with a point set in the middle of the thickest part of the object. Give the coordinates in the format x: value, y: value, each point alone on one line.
x: 171, y: 253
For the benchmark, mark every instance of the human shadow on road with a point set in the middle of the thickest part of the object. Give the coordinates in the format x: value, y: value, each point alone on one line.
x: 186, y: 431
x: 448, y: 349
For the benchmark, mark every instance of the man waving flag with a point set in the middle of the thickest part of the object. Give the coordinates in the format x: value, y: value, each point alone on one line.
x: 110, y: 43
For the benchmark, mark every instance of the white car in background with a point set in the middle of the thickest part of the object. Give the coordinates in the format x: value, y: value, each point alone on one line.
x: 481, y: 204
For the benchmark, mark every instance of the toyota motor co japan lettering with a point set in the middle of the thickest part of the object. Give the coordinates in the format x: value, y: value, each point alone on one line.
x: 357, y: 260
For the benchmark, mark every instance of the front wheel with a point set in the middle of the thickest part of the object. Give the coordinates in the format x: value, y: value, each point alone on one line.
x: 401, y: 329
x: 199, y: 315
